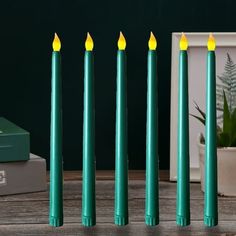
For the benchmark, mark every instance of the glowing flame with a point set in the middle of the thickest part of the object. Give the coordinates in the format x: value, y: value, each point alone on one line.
x: 89, y: 43
x: 121, y: 42
x: 152, y: 43
x: 183, y: 43
x: 56, y: 44
x: 211, y: 44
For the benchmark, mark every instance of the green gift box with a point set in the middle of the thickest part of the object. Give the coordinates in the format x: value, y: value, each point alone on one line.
x: 14, y: 142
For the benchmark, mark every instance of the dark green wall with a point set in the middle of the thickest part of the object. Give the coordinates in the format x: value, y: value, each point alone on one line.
x: 26, y: 33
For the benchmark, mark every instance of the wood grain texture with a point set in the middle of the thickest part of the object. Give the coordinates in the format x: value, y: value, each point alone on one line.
x: 166, y: 228
x: 27, y: 214
x: 110, y: 175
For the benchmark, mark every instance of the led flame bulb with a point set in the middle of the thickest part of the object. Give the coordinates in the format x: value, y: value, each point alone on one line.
x: 56, y: 44
x: 152, y: 43
x: 211, y: 44
x: 89, y: 43
x: 121, y: 42
x: 183, y: 43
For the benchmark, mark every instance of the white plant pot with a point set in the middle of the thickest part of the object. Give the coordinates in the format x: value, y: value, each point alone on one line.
x: 226, y: 169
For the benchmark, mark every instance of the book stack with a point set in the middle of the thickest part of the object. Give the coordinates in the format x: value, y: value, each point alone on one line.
x: 20, y: 171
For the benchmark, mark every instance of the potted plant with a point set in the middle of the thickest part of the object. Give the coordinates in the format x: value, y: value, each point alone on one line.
x: 226, y: 132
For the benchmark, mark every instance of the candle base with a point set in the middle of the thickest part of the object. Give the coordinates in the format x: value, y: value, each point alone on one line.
x: 88, y: 221
x: 121, y: 220
x: 151, y: 221
x: 210, y: 221
x: 182, y: 220
x: 55, y: 221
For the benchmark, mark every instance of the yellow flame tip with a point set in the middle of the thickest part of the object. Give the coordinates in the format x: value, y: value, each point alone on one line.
x: 56, y: 44
x: 121, y: 42
x: 211, y: 44
x: 152, y: 43
x: 183, y: 43
x: 89, y: 43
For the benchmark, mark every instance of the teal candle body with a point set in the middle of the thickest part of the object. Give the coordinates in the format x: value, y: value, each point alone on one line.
x: 56, y: 160
x: 152, y: 199
x: 211, y: 205
x: 88, y: 195
x: 183, y: 193
x: 121, y: 162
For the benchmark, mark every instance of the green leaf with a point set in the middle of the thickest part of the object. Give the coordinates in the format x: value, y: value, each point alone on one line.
x: 226, y: 117
x: 223, y: 139
x: 233, y: 128
x: 233, y: 141
x: 218, y: 128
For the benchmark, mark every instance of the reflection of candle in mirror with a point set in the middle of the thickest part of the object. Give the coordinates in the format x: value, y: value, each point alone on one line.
x: 152, y: 200
x: 211, y: 205
x: 183, y: 193
x: 121, y: 162
x: 88, y: 195
x: 56, y: 168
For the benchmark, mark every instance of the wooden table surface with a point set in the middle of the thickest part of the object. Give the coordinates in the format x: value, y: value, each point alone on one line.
x: 27, y: 214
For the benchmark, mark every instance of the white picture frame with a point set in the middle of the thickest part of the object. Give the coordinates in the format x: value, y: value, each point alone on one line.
x: 197, y: 42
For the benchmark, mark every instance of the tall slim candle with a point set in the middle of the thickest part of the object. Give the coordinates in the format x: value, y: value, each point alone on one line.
x: 152, y: 199
x: 56, y: 167
x: 88, y: 196
x: 211, y: 205
x: 121, y: 162
x: 183, y: 193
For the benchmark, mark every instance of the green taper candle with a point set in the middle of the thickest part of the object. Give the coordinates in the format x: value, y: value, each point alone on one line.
x: 152, y: 199
x: 89, y: 167
x: 121, y: 162
x: 211, y: 205
x: 56, y: 160
x: 183, y: 193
